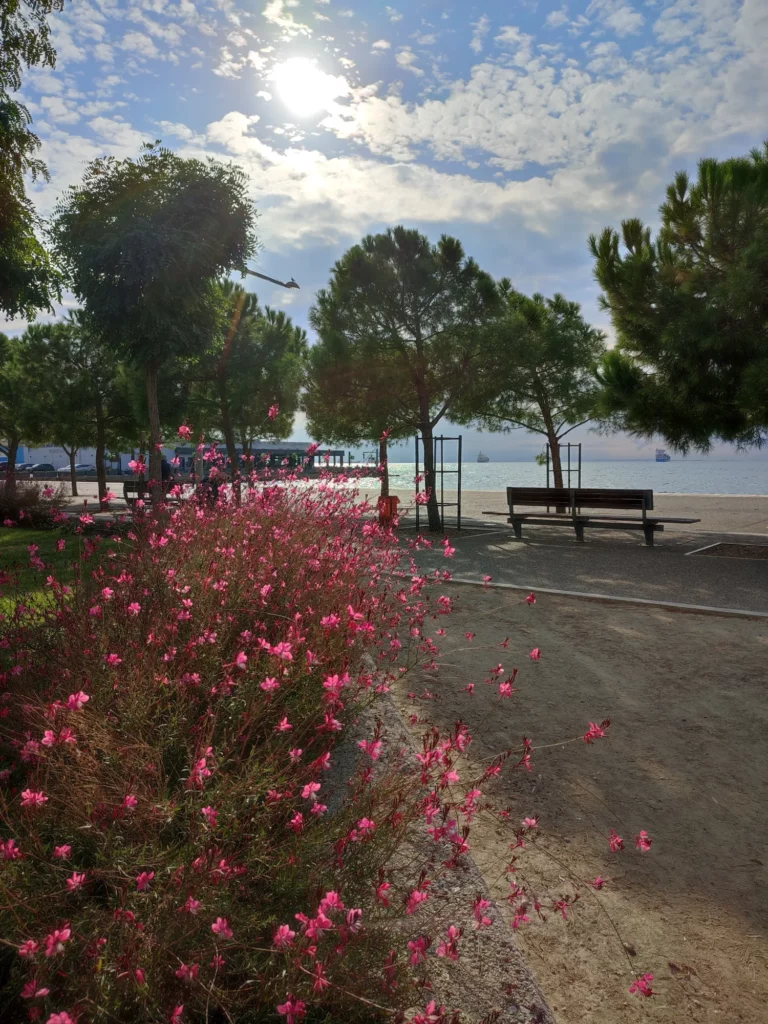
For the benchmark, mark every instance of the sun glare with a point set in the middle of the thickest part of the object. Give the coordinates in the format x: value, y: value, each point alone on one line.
x: 305, y: 89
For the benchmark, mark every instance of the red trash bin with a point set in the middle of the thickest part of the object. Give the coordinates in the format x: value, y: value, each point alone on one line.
x: 387, y: 510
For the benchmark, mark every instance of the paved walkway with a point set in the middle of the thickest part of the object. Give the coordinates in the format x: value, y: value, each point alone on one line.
x: 611, y: 564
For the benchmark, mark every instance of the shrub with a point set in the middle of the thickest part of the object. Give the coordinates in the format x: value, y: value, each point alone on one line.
x: 32, y: 503
x: 169, y: 735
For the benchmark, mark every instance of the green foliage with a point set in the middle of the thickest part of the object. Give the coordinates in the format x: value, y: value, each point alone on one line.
x: 399, y: 339
x: 691, y: 310
x: 255, y: 362
x: 26, y: 37
x: 143, y: 239
x: 539, y: 369
x: 28, y: 279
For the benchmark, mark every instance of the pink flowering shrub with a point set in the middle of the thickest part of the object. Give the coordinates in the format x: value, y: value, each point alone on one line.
x: 192, y: 825
x: 32, y: 503
x: 175, y: 829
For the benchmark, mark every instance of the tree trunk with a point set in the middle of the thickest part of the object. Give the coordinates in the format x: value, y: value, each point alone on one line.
x: 554, y: 448
x: 72, y: 452
x: 155, y: 440
x: 101, y: 475
x: 384, y: 467
x: 12, y: 447
x: 430, y: 478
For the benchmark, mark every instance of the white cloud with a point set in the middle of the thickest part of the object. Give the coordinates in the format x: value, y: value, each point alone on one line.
x: 620, y: 17
x: 394, y: 15
x: 58, y: 110
x: 406, y: 58
x: 277, y: 12
x: 480, y: 30
x: 426, y: 40
x: 557, y: 18
x: 103, y: 53
x: 381, y: 44
x: 139, y: 43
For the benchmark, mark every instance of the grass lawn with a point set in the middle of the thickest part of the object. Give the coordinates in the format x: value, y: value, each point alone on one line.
x: 14, y: 559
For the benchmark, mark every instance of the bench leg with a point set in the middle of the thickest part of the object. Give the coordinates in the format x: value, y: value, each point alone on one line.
x: 518, y: 528
x: 649, y: 532
x: 579, y: 528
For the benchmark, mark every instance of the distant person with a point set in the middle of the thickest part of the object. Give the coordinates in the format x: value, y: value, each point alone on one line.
x: 166, y: 475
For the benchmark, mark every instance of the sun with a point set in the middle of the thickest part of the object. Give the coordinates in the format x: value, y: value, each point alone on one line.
x: 304, y: 88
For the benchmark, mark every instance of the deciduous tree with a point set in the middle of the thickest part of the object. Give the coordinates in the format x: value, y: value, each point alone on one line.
x: 144, y: 241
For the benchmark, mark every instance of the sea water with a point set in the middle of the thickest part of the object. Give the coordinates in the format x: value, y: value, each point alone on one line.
x: 680, y: 476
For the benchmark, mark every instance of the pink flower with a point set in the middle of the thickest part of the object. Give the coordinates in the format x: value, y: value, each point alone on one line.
x: 449, y: 946
x: 33, y: 798
x: 643, y: 841
x: 520, y: 918
x: 372, y: 747
x: 62, y: 1017
x: 297, y: 822
x: 535, y: 654
x: 76, y: 880
x: 354, y: 920
x: 241, y: 661
x: 642, y: 986
x: 185, y: 432
x: 417, y: 897
x: 221, y: 928
x: 321, y: 981
x: 113, y: 660
x: 593, y: 733
x: 418, y: 948
x: 76, y: 701
x: 292, y: 1009
x: 192, y: 906
x: 273, y: 411
x: 283, y: 726
x: 10, y: 849
x: 598, y: 883
x: 283, y: 937
x: 31, y: 991
x: 130, y: 801
x: 107, y: 593
x: 54, y: 943
x: 143, y: 879
x: 49, y: 738
x: 309, y: 791
x: 366, y: 826
x: 61, y: 544
x: 615, y: 841
x: 211, y: 816
x: 448, y: 551
x: 188, y: 972
x: 295, y: 754
x: 269, y: 685
x: 531, y: 822
x: 28, y: 949
x: 381, y: 893
x: 479, y: 907
x: 531, y: 599
x: 62, y: 852
x: 176, y: 1014
x: 134, y: 608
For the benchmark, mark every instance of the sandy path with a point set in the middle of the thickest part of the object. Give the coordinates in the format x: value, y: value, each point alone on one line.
x: 686, y: 758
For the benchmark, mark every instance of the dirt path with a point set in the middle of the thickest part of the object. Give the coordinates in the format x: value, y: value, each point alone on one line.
x: 686, y: 758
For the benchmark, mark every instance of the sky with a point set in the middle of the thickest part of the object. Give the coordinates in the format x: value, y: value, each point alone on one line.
x: 519, y: 127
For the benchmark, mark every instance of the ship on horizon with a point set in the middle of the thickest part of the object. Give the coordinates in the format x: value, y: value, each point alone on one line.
x: 482, y: 458
x: 661, y: 455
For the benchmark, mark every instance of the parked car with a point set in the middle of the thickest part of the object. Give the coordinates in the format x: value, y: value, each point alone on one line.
x: 42, y: 467
x: 81, y: 468
x: 21, y: 467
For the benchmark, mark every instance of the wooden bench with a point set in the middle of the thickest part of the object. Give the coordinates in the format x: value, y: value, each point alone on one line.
x: 574, y: 500
x: 138, y: 490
